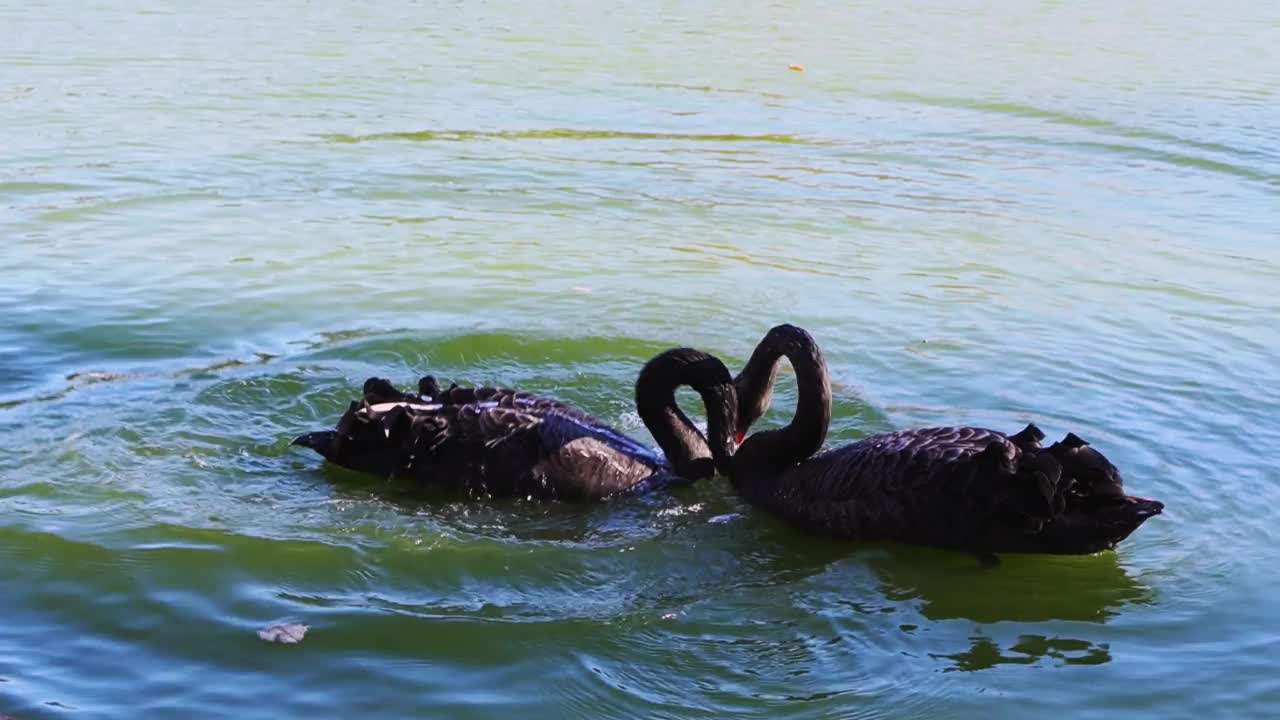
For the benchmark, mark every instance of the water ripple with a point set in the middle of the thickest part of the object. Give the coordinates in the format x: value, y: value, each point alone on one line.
x: 572, y: 134
x: 219, y: 223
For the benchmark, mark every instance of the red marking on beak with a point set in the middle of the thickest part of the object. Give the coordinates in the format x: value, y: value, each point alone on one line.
x: 738, y: 437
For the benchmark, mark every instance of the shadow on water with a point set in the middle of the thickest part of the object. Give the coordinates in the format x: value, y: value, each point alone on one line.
x: 1022, y: 588
x: 985, y: 653
x: 1043, y: 598
x: 1040, y: 590
x: 857, y: 582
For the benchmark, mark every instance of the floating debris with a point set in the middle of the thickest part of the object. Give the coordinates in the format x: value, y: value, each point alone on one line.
x: 288, y: 634
x: 93, y: 376
x: 797, y: 68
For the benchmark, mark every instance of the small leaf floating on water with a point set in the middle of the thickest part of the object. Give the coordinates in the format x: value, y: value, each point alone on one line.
x: 95, y: 376
x: 797, y: 68
x: 287, y: 633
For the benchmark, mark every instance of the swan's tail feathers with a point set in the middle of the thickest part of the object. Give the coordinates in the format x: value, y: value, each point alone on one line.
x: 377, y: 390
x: 1071, y: 500
x: 1027, y: 485
x: 395, y: 423
x: 347, y: 422
x: 1073, y: 441
x: 1117, y: 518
x: 322, y: 442
x: 1092, y: 473
x: 1043, y: 474
x: 429, y: 433
x: 1144, y: 508
x: 428, y: 388
x: 1028, y: 438
x: 997, y: 457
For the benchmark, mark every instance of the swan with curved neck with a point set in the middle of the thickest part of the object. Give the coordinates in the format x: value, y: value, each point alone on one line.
x: 500, y: 442
x: 957, y: 487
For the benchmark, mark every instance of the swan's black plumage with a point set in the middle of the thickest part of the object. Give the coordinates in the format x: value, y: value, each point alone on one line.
x: 958, y: 487
x: 502, y: 442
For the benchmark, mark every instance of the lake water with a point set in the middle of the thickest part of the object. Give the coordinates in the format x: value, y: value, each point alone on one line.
x: 219, y: 218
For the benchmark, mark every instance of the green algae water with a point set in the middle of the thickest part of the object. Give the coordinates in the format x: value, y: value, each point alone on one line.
x: 218, y: 219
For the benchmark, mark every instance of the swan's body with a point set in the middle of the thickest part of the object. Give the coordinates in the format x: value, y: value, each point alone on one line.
x: 500, y: 442
x: 958, y: 487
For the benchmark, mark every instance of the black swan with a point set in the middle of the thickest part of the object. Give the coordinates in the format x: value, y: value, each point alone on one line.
x: 500, y: 442
x: 955, y: 487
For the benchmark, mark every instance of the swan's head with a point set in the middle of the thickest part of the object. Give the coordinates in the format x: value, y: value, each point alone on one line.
x: 711, y: 379
x: 683, y: 443
x: 754, y: 384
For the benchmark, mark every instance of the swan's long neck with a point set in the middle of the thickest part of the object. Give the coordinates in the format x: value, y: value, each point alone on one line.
x: 755, y: 385
x: 684, y: 445
x: 808, y: 429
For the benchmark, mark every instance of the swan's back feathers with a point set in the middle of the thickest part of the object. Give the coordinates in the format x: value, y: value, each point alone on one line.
x: 489, y: 441
x: 889, y: 484
x: 965, y: 487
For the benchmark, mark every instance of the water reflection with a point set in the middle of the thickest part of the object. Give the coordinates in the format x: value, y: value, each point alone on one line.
x: 985, y: 653
x: 1045, y: 590
x: 658, y: 558
x: 1022, y: 588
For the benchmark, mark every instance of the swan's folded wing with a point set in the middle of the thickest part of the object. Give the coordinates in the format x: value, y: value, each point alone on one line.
x: 555, y: 454
x: 894, y: 463
x: 492, y: 427
x: 894, y: 480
